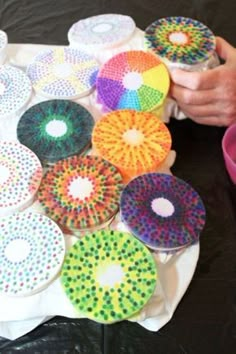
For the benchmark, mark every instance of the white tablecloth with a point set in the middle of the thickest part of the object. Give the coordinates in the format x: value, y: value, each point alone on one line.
x: 21, y: 315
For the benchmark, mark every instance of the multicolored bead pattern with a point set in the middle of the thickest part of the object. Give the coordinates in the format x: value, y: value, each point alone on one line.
x: 20, y: 176
x: 3, y: 40
x: 163, y: 211
x: 135, y: 142
x: 103, y: 31
x: 180, y: 40
x: 32, y: 251
x: 15, y: 90
x: 56, y: 129
x: 133, y: 79
x: 63, y: 73
x: 81, y: 192
x: 109, y: 276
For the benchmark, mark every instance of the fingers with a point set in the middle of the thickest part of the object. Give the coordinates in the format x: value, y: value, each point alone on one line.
x: 225, y: 50
x: 196, y: 80
x: 208, y: 115
x: 189, y: 97
x: 196, y: 111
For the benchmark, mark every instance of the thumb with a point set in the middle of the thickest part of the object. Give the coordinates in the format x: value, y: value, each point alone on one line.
x: 225, y: 50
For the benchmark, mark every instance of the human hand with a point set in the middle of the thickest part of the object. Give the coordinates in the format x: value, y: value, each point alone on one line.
x: 208, y: 97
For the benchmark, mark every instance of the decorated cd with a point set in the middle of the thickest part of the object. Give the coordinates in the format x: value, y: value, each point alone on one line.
x: 20, y: 177
x: 133, y: 79
x: 15, y: 90
x: 101, y: 31
x: 3, y: 40
x: 81, y: 192
x: 180, y: 40
x: 109, y: 276
x: 135, y: 142
x: 56, y: 129
x: 163, y: 211
x: 32, y: 251
x: 63, y: 73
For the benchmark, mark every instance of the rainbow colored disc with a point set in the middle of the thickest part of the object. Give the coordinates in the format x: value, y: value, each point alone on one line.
x: 81, y: 192
x: 32, y: 251
x: 135, y: 142
x: 63, y: 73
x: 132, y: 79
x: 163, y: 211
x: 15, y: 90
x: 20, y: 177
x: 56, y: 129
x: 109, y: 276
x: 180, y: 40
x: 101, y: 31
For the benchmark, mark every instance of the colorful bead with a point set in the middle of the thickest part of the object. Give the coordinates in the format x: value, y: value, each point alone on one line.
x: 109, y: 276
x: 81, y: 192
x: 101, y: 31
x: 15, y: 90
x: 63, y: 73
x: 56, y: 129
x: 180, y: 40
x: 32, y: 250
x: 133, y: 79
x: 163, y: 211
x: 20, y: 176
x: 135, y: 142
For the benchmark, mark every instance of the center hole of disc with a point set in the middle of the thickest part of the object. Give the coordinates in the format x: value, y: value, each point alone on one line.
x: 132, y: 80
x: 62, y: 70
x: 133, y: 137
x: 110, y: 275
x: 178, y: 38
x: 56, y: 128
x: 102, y: 27
x: 81, y: 187
x: 4, y: 174
x: 17, y: 250
x: 163, y: 207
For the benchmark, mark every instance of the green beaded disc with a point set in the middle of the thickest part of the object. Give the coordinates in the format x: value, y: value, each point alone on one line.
x: 109, y: 275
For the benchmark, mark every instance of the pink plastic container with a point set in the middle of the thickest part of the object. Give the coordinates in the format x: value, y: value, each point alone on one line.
x: 229, y: 151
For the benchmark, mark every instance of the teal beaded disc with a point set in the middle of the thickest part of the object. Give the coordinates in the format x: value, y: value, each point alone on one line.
x: 109, y: 276
x: 56, y: 129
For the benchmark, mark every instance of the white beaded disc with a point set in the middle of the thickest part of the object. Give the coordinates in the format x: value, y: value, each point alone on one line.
x: 20, y: 176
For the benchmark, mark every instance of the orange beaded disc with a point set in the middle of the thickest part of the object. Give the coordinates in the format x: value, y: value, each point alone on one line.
x: 135, y: 142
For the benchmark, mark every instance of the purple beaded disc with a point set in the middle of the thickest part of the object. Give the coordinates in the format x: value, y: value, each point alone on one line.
x: 163, y: 211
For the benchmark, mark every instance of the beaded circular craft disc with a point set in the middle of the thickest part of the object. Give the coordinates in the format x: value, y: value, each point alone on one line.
x: 20, y: 176
x: 163, y: 211
x: 63, y: 73
x: 81, y: 192
x: 56, y: 129
x: 3, y: 40
x: 109, y: 275
x: 32, y: 251
x: 103, y: 31
x: 135, y: 142
x: 15, y: 90
x: 133, y: 79
x: 180, y: 40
